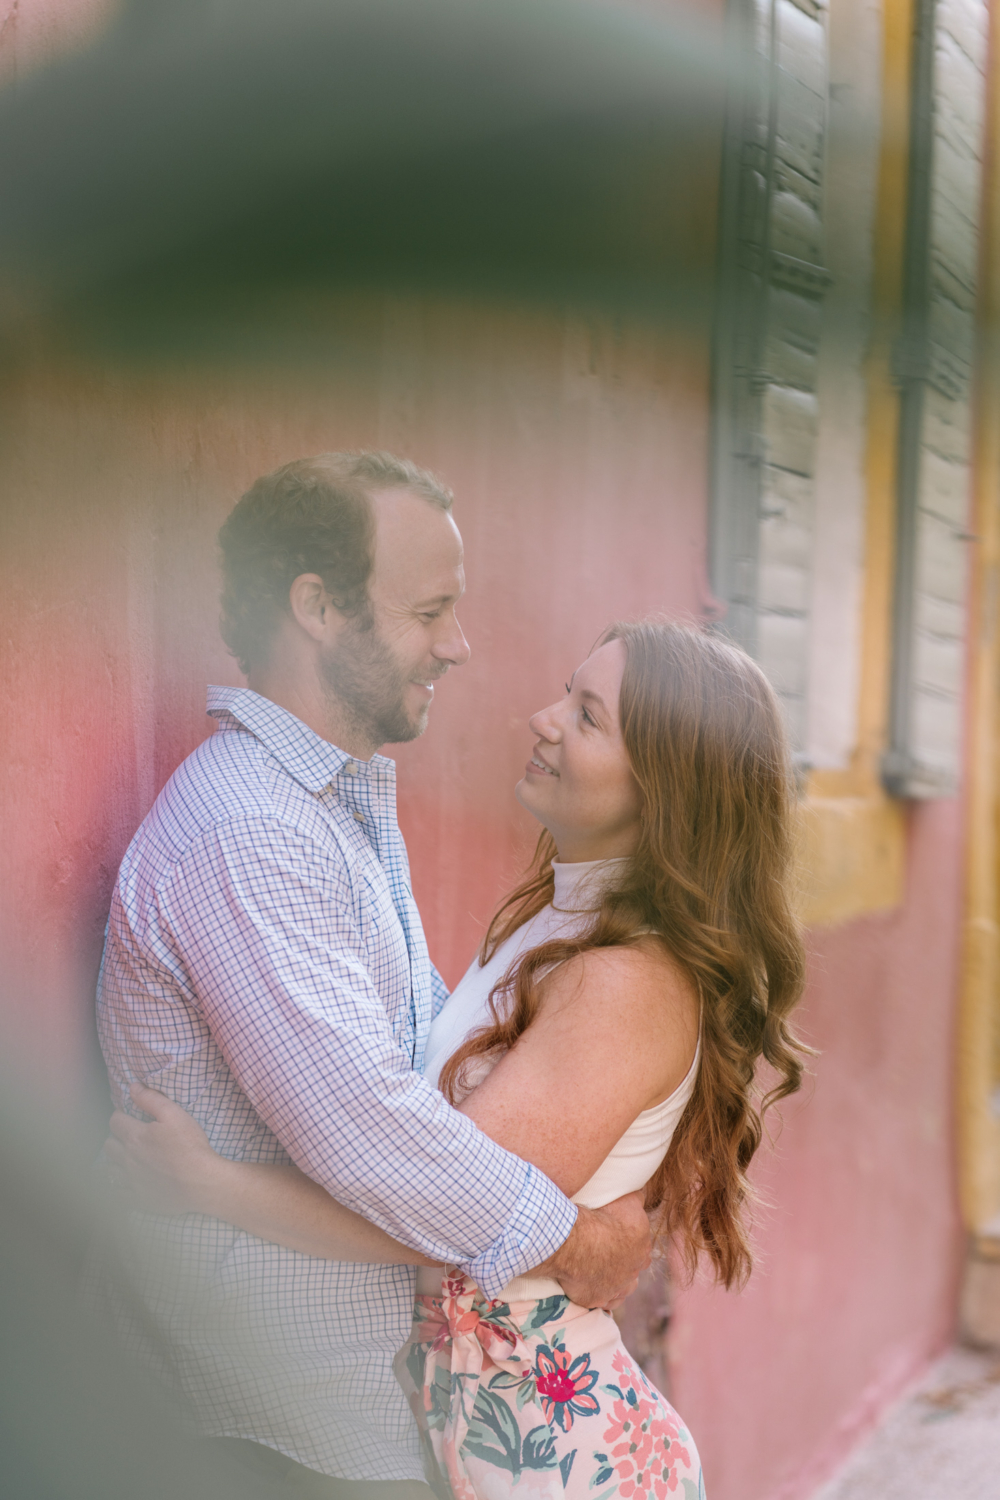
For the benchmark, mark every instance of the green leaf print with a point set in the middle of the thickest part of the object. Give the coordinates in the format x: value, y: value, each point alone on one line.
x: 528, y: 1392
x: 545, y: 1311
x: 416, y: 1360
x: 565, y: 1464
x: 539, y: 1449
x: 693, y: 1491
x: 506, y: 1380
x: 464, y: 1388
x: 493, y: 1435
x: 440, y: 1394
x: 602, y: 1473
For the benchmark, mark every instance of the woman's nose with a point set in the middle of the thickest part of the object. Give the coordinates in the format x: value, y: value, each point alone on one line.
x: 545, y: 724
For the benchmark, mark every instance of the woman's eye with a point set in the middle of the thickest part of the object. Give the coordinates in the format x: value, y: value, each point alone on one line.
x: 568, y: 688
x: 589, y: 719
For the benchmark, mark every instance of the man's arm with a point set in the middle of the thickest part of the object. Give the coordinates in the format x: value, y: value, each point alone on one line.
x: 169, y: 1167
x: 277, y: 966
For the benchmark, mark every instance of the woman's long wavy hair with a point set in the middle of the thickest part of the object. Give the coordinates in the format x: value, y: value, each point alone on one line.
x: 704, y: 737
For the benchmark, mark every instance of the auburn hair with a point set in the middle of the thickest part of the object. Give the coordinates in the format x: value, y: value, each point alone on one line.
x: 710, y: 877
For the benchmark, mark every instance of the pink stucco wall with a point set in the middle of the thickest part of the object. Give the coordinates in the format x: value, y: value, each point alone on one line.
x: 577, y: 451
x: 858, y: 1231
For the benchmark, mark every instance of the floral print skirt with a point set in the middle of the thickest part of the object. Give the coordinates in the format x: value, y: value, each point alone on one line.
x: 541, y: 1398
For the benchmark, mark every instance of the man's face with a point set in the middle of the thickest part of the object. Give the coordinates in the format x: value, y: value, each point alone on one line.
x: 384, y: 666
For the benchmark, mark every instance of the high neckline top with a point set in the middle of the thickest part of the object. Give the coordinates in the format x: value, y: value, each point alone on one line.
x: 578, y: 886
x: 639, y: 1152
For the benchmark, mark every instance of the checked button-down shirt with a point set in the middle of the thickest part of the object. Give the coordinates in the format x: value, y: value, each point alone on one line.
x: 266, y: 968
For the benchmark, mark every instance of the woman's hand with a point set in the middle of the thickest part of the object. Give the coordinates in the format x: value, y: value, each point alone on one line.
x: 169, y: 1167
x: 166, y: 1166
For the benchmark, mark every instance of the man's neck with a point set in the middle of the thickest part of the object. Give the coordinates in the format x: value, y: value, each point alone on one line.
x: 319, y: 711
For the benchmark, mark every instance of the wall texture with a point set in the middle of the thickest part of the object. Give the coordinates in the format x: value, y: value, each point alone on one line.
x: 577, y: 455
x: 577, y: 450
x: 859, y: 1244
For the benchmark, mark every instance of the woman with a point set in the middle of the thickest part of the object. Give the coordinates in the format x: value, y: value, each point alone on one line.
x: 641, y: 970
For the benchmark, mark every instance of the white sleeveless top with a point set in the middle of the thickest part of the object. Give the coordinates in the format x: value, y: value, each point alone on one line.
x: 639, y: 1152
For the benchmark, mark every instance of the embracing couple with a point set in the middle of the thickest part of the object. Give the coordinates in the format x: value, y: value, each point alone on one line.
x: 376, y: 1229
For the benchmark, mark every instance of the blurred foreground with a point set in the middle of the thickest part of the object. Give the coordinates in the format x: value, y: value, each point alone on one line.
x: 695, y: 308
x: 78, y: 1421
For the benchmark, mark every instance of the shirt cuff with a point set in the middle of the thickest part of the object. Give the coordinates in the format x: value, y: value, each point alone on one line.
x: 540, y: 1223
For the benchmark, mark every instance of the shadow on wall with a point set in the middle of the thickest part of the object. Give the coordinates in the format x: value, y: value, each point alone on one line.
x: 205, y: 207
x: 77, y: 1420
x: 200, y: 151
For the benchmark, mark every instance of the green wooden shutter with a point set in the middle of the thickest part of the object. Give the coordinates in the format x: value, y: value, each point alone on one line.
x: 934, y: 367
x: 766, y: 345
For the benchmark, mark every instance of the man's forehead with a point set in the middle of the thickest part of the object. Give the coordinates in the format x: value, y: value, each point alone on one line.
x: 418, y: 550
x: 404, y: 519
x: 435, y: 600
x: 399, y: 500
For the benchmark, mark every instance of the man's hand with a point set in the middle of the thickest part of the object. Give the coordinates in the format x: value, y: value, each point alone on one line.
x: 599, y: 1264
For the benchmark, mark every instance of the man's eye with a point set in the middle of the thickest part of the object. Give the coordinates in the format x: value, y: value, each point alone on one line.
x: 430, y: 614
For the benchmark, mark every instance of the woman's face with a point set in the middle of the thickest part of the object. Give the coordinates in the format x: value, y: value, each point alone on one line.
x: 578, y: 782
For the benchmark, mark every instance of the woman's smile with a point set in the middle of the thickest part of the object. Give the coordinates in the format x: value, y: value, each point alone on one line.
x: 597, y: 811
x: 536, y: 766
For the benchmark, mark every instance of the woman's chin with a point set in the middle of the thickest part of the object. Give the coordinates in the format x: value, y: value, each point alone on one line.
x: 525, y: 793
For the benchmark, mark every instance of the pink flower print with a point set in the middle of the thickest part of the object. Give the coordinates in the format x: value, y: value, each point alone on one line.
x: 564, y: 1386
x: 443, y: 1320
x: 644, y: 1441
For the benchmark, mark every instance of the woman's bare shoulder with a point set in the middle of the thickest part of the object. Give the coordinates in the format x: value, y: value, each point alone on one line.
x: 631, y: 1008
x: 641, y: 976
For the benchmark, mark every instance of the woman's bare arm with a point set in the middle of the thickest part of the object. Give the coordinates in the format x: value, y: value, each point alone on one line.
x: 615, y: 1033
x: 168, y: 1166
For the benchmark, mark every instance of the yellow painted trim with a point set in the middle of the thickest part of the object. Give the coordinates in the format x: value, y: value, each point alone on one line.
x: 850, y: 858
x: 862, y: 777
x: 852, y: 837
x: 979, y: 1008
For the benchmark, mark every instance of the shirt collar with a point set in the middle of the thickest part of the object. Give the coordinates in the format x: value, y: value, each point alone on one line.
x: 309, y: 759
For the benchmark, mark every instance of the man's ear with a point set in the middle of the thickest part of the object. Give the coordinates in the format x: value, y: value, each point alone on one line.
x: 312, y: 608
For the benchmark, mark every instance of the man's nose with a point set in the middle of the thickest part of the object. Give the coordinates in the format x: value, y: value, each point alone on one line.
x: 453, y: 647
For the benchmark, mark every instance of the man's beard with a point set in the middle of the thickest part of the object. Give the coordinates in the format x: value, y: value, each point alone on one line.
x: 366, y: 680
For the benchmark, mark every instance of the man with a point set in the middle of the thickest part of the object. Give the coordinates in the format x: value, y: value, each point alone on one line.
x: 265, y: 967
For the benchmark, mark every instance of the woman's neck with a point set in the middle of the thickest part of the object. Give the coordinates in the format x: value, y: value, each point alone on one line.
x: 586, y: 849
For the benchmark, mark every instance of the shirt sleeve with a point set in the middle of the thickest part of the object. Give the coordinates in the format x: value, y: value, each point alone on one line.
x: 273, y: 948
x: 439, y: 993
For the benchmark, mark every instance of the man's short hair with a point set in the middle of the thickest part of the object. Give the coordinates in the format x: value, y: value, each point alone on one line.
x: 313, y: 515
